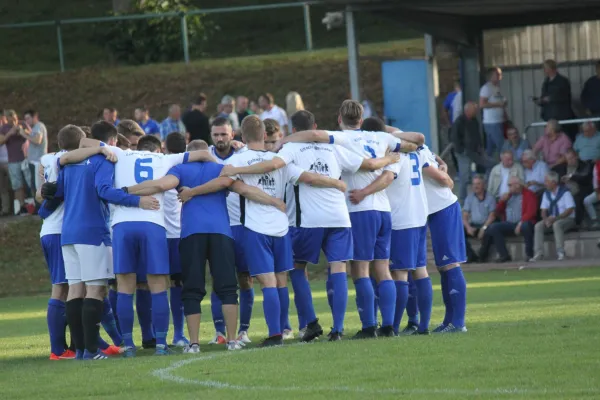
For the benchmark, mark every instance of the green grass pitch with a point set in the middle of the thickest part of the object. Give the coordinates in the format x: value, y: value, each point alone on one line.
x: 533, y: 334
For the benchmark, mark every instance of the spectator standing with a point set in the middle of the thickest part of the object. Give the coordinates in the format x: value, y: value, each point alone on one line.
x: 556, y: 98
x: 593, y: 198
x: 12, y: 137
x: 273, y: 111
x: 478, y: 214
x: 293, y: 103
x: 535, y: 172
x: 228, y: 112
x: 553, y: 146
x: 148, y: 125
x: 452, y: 106
x: 499, y: 177
x: 517, y: 211
x: 578, y: 180
x: 558, y: 216
x: 466, y: 139
x: 515, y: 143
x: 110, y: 115
x: 196, y: 122
x: 35, y: 132
x: 493, y: 105
x: 590, y: 95
x: 587, y: 144
x: 172, y: 123
x: 241, y: 108
x: 5, y: 204
x: 255, y: 108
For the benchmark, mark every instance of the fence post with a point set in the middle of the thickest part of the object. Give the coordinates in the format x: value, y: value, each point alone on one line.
x: 61, y: 56
x: 307, y: 27
x: 184, y: 38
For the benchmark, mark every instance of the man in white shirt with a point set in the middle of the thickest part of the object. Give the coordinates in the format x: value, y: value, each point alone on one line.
x: 558, y: 216
x: 493, y: 105
x: 271, y: 110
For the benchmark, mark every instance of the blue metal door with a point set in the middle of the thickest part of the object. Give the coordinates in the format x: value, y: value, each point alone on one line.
x: 406, y: 96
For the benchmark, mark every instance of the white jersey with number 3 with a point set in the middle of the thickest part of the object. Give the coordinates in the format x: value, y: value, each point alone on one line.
x: 369, y: 145
x: 438, y: 196
x: 134, y: 167
x: 53, y: 224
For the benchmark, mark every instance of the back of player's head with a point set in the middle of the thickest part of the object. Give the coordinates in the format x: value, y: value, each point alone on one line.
x: 197, y: 144
x: 351, y: 113
x: 271, y: 127
x: 149, y: 143
x: 128, y: 127
x: 253, y: 129
x: 221, y: 121
x: 69, y: 137
x: 87, y: 130
x: 175, y: 143
x: 303, y: 121
x: 104, y: 131
x: 373, y: 124
x: 122, y: 142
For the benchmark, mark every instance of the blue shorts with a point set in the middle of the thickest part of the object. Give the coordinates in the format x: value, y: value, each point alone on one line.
x: 141, y: 248
x: 308, y: 242
x: 447, y: 236
x: 372, y: 233
x: 54, y: 258
x: 238, y: 244
x: 409, y: 248
x: 267, y: 254
x: 174, y: 260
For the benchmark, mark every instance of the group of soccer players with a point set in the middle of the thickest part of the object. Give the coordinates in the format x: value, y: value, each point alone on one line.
x: 263, y: 209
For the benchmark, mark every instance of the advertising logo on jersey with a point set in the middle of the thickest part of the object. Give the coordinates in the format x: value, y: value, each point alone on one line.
x: 267, y: 182
x: 319, y: 167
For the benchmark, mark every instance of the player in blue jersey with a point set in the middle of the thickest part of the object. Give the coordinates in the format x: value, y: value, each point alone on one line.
x: 86, y: 187
x: 148, y: 125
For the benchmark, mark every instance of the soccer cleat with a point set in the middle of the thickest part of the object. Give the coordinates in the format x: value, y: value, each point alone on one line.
x: 410, y: 329
x: 276, y: 340
x: 218, y: 339
x: 243, y: 338
x: 98, y: 355
x: 234, y: 345
x: 386, y: 331
x: 287, y: 334
x: 129, y: 352
x: 181, y: 342
x: 366, y: 333
x: 560, y: 255
x: 439, y: 328
x: 301, y: 333
x: 163, y: 350
x: 66, y: 355
x: 112, y: 350
x: 335, y: 336
x: 149, y: 344
x: 452, y: 329
x: 193, y: 348
x: 537, y: 257
x: 78, y: 354
x: 313, y: 331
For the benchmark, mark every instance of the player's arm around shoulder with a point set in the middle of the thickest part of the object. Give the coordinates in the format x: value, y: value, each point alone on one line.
x: 373, y: 164
x: 81, y: 154
x: 311, y: 136
x: 439, y: 176
x: 381, y: 183
x: 260, y: 168
x: 322, y: 181
x: 256, y: 195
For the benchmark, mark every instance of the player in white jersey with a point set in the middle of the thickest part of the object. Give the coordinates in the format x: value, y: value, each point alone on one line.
x: 321, y: 220
x: 371, y: 219
x: 448, y: 242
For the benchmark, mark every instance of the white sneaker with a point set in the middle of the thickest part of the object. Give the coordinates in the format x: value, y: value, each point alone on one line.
x: 287, y: 334
x: 301, y: 333
x: 536, y: 257
x: 243, y: 338
x: 218, y: 339
x: 183, y: 342
x: 191, y: 349
x: 234, y: 345
x: 560, y: 255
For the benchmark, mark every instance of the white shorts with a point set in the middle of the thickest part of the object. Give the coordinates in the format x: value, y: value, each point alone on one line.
x: 85, y: 263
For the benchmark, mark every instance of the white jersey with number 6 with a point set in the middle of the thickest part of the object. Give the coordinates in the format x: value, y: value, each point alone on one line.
x: 134, y: 167
x: 438, y: 196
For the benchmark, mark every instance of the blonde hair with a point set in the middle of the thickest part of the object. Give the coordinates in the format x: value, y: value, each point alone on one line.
x: 253, y: 129
x: 351, y: 112
x: 293, y: 103
x: 197, y: 144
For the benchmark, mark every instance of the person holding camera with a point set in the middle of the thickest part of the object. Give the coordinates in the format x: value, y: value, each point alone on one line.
x: 11, y: 135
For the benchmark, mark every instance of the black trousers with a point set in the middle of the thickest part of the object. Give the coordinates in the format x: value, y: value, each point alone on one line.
x: 496, y: 233
x: 471, y: 254
x: 195, y: 251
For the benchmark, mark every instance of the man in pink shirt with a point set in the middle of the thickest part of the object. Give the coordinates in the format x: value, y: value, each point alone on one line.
x: 553, y: 146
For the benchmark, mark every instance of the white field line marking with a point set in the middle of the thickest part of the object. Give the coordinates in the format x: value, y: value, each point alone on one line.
x: 167, y: 374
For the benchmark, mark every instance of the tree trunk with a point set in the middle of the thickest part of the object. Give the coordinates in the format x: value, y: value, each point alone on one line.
x: 121, y: 5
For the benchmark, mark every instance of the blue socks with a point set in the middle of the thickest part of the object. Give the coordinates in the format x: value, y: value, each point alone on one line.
x: 160, y: 316
x: 216, y: 307
x: 110, y: 324
x: 387, y: 302
x: 376, y: 299
x: 246, y: 305
x: 125, y: 313
x: 272, y: 310
x: 424, y: 301
x: 143, y: 306
x: 176, y: 312
x: 365, y: 297
x: 284, y: 303
x: 112, y: 297
x: 401, y: 300
x: 412, y: 309
x: 339, y: 289
x: 458, y: 296
x: 56, y: 319
x: 329, y: 289
x: 446, y: 298
x: 303, y: 297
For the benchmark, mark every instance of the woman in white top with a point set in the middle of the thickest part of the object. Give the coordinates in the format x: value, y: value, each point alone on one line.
x: 293, y: 103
